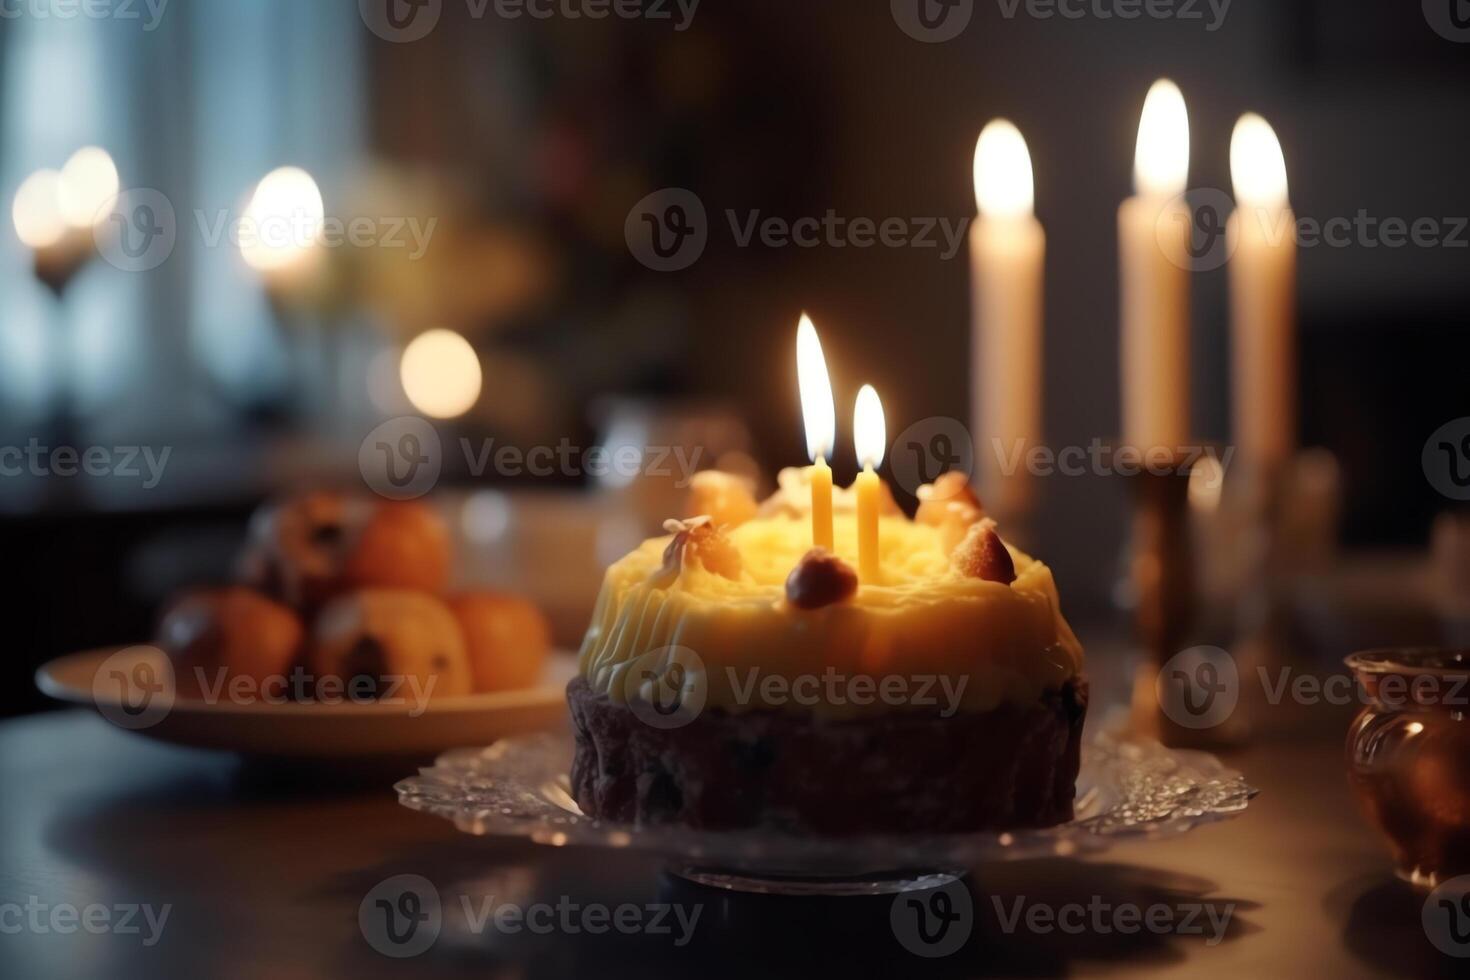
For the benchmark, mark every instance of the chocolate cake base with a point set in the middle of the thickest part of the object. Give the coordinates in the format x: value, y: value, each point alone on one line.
x: 905, y: 772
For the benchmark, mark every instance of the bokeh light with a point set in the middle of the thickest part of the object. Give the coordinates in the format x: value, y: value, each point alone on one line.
x: 37, y: 210
x: 284, y: 220
x: 89, y: 186
x: 441, y: 374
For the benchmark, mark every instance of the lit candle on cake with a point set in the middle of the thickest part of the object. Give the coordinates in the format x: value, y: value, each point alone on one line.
x: 1262, y: 296
x: 870, y: 434
x: 820, y: 415
x: 1153, y: 239
x: 1007, y: 254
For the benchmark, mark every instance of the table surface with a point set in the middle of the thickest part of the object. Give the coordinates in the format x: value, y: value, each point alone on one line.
x: 263, y: 875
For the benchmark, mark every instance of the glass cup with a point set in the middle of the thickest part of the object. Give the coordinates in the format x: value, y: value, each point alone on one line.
x: 1408, y: 755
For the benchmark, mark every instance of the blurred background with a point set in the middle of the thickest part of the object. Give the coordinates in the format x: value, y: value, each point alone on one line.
x: 479, y: 179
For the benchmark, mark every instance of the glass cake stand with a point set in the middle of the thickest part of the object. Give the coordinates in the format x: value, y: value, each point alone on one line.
x: 1127, y: 790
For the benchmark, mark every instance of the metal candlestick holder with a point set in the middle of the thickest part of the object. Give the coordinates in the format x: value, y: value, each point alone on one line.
x: 1183, y: 695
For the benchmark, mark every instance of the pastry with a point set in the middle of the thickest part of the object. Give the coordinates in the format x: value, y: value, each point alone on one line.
x: 216, y: 635
x: 390, y: 644
x: 507, y: 638
x: 312, y: 547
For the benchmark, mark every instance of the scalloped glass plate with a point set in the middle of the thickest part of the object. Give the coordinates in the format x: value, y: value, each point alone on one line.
x: 1127, y: 790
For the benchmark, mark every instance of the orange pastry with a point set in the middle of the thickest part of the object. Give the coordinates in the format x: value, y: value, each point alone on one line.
x: 508, y: 639
x: 236, y: 631
x: 315, y: 546
x: 404, y: 545
x: 298, y: 546
x: 390, y: 644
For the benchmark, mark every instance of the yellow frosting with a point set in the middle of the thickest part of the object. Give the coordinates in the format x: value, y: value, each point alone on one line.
x: 979, y: 643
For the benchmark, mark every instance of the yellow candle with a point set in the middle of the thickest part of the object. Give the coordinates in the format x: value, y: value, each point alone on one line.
x: 869, y: 437
x: 822, y: 505
x: 867, y: 510
x: 1262, y: 296
x: 819, y: 412
x: 1007, y: 255
x: 1153, y: 238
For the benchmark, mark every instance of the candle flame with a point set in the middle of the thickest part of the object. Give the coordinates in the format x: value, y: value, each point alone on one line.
x: 284, y: 220
x: 89, y: 186
x: 818, y: 410
x: 1257, y: 166
x: 869, y: 429
x: 1161, y: 160
x: 1004, y: 186
x: 441, y: 374
x: 37, y: 210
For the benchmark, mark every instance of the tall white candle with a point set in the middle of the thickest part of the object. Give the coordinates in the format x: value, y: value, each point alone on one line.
x: 1262, y: 297
x: 1153, y: 235
x: 1007, y: 256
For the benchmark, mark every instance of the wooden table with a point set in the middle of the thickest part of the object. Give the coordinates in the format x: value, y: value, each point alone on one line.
x: 264, y: 877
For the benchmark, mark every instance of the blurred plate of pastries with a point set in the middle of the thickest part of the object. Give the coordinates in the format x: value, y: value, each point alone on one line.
x: 340, y: 638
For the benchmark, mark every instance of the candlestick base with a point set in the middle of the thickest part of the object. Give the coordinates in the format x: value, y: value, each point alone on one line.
x: 1161, y: 565
x: 1161, y: 580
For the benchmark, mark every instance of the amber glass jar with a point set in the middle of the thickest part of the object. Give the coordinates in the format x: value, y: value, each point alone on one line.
x: 1409, y: 757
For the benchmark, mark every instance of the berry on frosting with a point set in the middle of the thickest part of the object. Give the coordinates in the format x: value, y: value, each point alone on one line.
x: 820, y: 579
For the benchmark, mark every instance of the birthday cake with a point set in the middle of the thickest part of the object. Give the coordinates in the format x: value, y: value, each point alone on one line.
x: 733, y: 676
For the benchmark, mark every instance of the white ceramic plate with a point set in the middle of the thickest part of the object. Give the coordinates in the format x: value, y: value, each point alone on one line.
x: 122, y: 684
